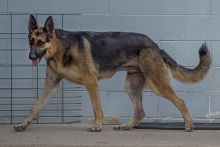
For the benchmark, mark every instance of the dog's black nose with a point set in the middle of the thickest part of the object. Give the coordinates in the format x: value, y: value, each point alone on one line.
x: 32, y: 55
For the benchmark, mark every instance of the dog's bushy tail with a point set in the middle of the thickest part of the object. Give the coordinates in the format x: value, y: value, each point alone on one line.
x: 187, y: 75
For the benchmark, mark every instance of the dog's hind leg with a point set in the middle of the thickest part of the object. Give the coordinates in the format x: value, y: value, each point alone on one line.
x: 134, y: 85
x: 156, y: 76
x: 50, y: 88
x: 167, y: 92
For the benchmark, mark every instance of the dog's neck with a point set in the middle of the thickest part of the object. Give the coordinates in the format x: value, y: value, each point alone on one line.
x: 60, y: 50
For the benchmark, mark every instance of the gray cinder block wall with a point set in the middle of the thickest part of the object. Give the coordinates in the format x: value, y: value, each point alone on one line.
x: 178, y: 26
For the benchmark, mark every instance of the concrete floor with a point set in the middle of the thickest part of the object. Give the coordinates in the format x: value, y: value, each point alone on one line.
x: 75, y: 135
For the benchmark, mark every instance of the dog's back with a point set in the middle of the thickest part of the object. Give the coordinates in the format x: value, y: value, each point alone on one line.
x: 110, y: 50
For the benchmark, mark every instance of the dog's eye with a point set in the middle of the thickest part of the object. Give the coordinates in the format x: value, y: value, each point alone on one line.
x: 40, y: 43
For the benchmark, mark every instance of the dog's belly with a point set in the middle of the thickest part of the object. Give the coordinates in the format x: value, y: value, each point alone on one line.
x: 131, y: 67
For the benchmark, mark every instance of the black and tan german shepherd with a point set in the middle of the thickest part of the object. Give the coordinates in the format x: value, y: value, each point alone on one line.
x: 86, y: 57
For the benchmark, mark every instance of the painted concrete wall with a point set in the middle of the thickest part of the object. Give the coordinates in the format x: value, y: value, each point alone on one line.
x: 178, y: 26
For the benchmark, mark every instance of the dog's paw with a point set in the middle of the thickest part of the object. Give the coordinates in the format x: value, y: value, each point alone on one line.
x: 20, y: 128
x: 94, y: 129
x: 123, y: 127
x: 189, y: 127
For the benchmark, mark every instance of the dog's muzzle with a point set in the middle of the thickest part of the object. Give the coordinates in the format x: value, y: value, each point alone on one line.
x: 36, y: 57
x: 32, y: 55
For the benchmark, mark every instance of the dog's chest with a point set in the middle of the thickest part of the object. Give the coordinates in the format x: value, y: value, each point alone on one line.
x: 71, y: 74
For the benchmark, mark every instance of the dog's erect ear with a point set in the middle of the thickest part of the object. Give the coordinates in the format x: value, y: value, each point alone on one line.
x: 49, y: 25
x: 32, y: 24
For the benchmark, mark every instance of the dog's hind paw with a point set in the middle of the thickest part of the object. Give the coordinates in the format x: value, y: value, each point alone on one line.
x: 94, y: 129
x: 20, y: 128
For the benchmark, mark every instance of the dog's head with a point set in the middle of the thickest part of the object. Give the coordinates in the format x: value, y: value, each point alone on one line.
x: 40, y: 39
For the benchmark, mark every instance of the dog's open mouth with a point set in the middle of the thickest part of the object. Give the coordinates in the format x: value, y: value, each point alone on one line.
x: 37, y: 60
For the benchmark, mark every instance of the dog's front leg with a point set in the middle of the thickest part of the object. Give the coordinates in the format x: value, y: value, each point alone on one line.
x: 50, y: 88
x: 92, y: 86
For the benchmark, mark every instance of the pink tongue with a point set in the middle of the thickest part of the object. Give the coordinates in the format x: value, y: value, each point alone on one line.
x: 35, y: 62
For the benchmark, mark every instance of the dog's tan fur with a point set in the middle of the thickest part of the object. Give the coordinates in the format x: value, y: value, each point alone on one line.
x: 149, y: 67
